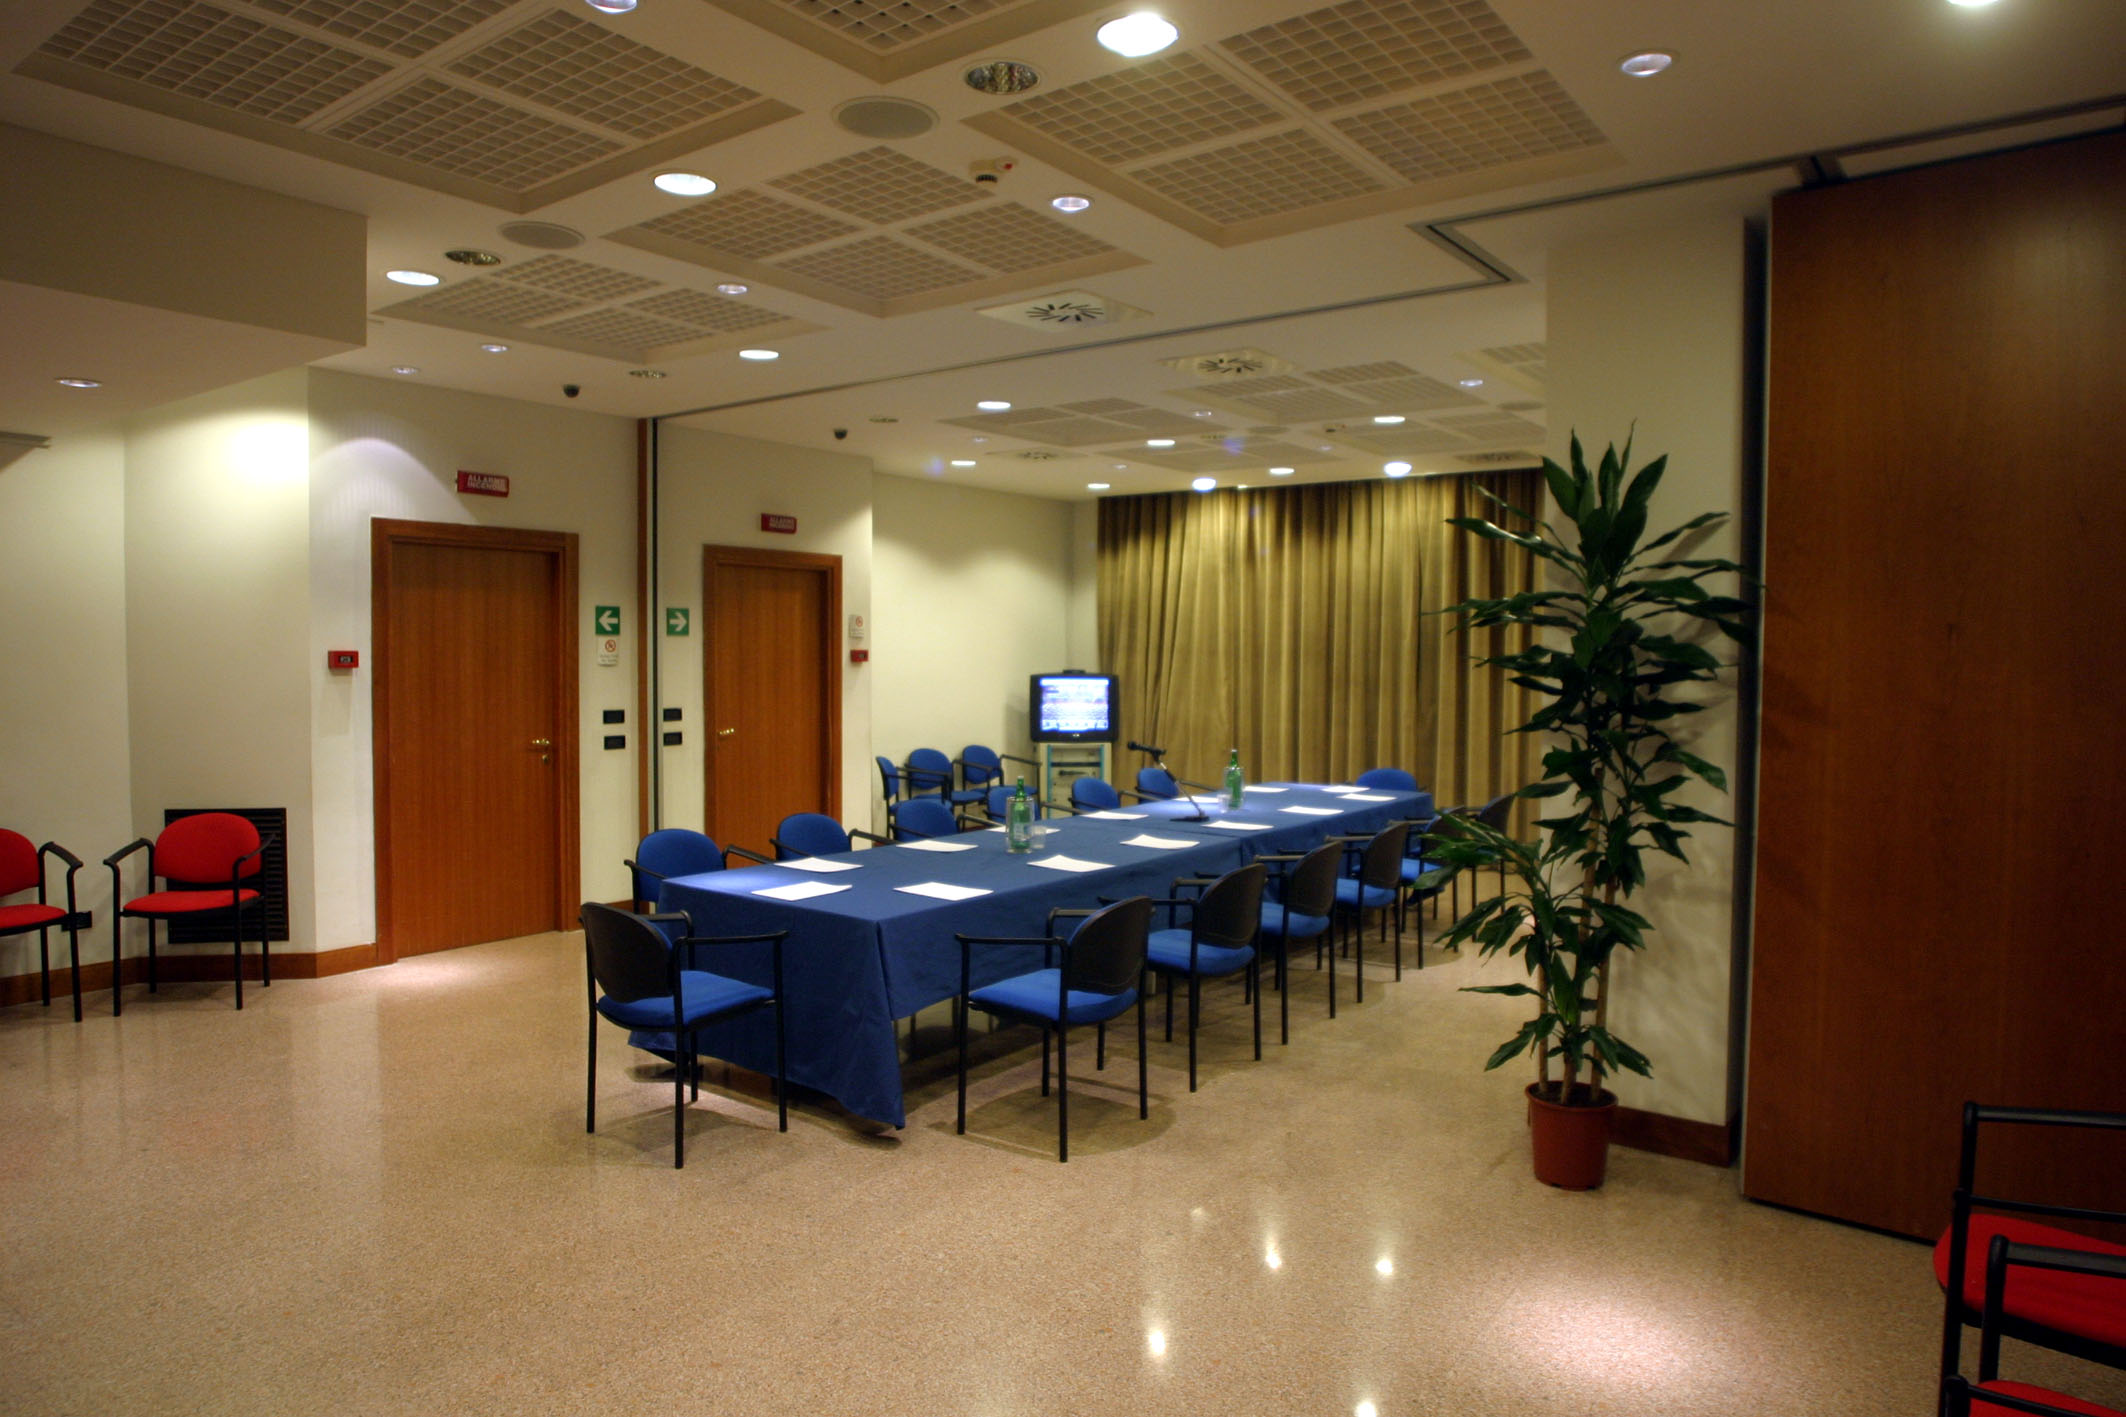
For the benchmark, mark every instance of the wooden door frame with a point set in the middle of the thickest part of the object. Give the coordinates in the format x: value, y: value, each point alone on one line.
x: 830, y: 663
x: 387, y: 534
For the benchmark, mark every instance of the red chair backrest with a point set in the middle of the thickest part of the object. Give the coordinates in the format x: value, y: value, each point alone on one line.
x: 18, y: 863
x: 201, y: 849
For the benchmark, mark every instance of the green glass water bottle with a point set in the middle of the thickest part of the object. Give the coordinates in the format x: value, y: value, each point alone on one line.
x: 1234, y: 782
x: 1018, y: 822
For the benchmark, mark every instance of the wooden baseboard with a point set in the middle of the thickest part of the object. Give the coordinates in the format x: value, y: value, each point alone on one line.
x: 180, y: 968
x: 1709, y: 1142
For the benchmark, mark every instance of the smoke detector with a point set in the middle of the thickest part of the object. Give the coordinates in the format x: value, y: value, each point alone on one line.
x: 1230, y: 364
x: 881, y: 117
x: 541, y: 235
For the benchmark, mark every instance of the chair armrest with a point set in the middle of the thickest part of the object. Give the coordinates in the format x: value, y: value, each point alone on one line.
x: 53, y: 848
x: 630, y: 864
x: 730, y: 851
x: 868, y: 836
x: 122, y: 852
x: 1064, y: 807
x: 1005, y: 939
x: 1015, y: 758
x: 2049, y: 1117
x: 764, y: 938
x: 667, y: 917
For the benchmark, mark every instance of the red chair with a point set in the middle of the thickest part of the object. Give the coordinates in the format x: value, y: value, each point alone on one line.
x: 195, y: 855
x: 1989, y: 1396
x: 2055, y: 1307
x: 22, y: 868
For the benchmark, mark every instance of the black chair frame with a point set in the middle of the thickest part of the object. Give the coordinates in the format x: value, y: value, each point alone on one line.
x: 686, y: 1063
x: 784, y: 852
x: 1380, y: 867
x: 1252, y: 982
x: 237, y: 876
x: 1065, y: 979
x: 725, y: 853
x: 1957, y: 1392
x: 73, y: 922
x: 1956, y: 1313
x: 1287, y: 869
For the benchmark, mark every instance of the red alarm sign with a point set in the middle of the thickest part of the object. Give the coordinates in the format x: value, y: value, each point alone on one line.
x: 769, y: 521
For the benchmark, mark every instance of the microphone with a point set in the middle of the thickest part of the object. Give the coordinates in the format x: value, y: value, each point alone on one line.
x: 1136, y: 747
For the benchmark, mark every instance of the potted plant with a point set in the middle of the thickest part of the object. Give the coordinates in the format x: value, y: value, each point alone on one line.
x: 1608, y: 645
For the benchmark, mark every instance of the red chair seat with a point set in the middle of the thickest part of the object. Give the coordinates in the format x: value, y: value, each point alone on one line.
x: 1981, y: 1408
x: 28, y: 917
x: 2085, y: 1305
x: 184, y: 902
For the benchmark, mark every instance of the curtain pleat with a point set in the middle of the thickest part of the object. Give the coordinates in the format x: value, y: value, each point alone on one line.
x: 1301, y: 626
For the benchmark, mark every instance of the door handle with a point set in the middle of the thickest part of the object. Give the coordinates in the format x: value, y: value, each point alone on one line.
x: 542, y: 744
x: 725, y: 732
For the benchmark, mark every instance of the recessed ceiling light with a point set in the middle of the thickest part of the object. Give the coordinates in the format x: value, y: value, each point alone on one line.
x: 1096, y: 486
x: 1646, y: 63
x: 82, y: 383
x: 760, y: 356
x: 1971, y: 4
x: 993, y: 405
x: 1134, y: 36
x: 1365, y: 1409
x: 1280, y: 472
x: 1387, y: 418
x: 683, y: 184
x: 963, y: 462
x: 1396, y: 469
x: 404, y: 369
x: 1121, y: 467
x: 494, y: 349
x: 1158, y: 442
x: 1470, y: 383
x: 732, y: 287
x: 882, y: 418
x: 645, y: 373
x: 1002, y: 77
x: 1070, y: 202
x: 1204, y: 484
x: 611, y: 7
x: 472, y: 256
x: 1199, y: 413
x: 413, y: 277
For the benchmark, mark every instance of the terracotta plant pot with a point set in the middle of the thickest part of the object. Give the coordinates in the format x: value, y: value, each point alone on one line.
x: 1571, y: 1142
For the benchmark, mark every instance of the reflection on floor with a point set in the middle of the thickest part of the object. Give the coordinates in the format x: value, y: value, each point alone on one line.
x: 373, y: 1194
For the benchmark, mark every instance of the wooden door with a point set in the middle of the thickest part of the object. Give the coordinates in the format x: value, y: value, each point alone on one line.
x: 475, y: 708
x: 771, y: 693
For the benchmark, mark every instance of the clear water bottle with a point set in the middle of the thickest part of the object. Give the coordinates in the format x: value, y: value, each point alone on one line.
x: 1018, y: 822
x: 1235, y: 784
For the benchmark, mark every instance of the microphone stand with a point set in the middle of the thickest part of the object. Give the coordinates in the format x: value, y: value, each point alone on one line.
x: 1158, y: 757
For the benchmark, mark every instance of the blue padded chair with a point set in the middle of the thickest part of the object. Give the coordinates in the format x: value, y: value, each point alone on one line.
x: 889, y: 783
x: 980, y: 768
x: 1388, y: 780
x: 1219, y: 940
x: 1157, y: 784
x: 814, y: 834
x: 1099, y: 976
x: 929, y: 774
x: 922, y: 817
x: 1377, y: 885
x: 639, y: 979
x: 676, y: 851
x: 1303, y: 908
x: 1093, y: 794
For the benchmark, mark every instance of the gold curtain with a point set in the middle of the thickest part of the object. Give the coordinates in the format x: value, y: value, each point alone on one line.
x: 1300, y: 625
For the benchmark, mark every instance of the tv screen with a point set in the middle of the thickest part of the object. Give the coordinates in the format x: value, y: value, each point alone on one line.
x: 1073, y: 708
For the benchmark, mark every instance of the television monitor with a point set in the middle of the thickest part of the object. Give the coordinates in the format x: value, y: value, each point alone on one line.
x: 1073, y: 708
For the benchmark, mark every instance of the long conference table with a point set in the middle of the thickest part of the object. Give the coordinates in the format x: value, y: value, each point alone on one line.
x: 871, y: 932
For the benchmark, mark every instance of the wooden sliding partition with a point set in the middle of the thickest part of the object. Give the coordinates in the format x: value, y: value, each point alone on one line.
x: 1942, y: 826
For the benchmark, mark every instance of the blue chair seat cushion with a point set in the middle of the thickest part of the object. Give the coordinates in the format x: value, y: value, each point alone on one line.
x: 1352, y: 894
x: 1300, y: 926
x: 1033, y: 996
x: 702, y: 996
x: 1167, y: 950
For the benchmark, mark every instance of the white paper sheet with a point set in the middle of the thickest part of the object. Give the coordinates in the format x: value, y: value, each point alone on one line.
x: 1369, y: 797
x: 1258, y: 787
x: 799, y: 890
x: 1159, y: 843
x: 1225, y: 825
x: 935, y: 845
x: 939, y: 890
x: 1310, y: 811
x: 1066, y: 863
x: 816, y: 863
x: 1342, y: 789
x: 1117, y: 816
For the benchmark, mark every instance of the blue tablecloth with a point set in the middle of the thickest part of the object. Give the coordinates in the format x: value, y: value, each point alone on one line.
x: 857, y: 960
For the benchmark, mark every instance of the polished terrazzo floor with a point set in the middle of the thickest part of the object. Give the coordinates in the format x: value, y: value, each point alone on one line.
x: 373, y: 1194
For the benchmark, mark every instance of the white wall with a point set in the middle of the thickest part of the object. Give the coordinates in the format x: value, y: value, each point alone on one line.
x: 217, y: 615
x: 383, y: 448
x: 714, y: 489
x: 1082, y: 647
x: 1651, y: 326
x: 63, y: 732
x: 971, y: 595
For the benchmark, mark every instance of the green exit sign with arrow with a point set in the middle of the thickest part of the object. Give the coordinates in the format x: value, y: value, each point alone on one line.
x: 675, y: 620
x: 606, y: 619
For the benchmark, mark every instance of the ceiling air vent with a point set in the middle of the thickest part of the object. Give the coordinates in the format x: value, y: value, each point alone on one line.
x: 541, y: 235
x: 882, y: 117
x: 1063, y: 310
x: 1040, y: 455
x: 1230, y: 364
x: 1495, y: 459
